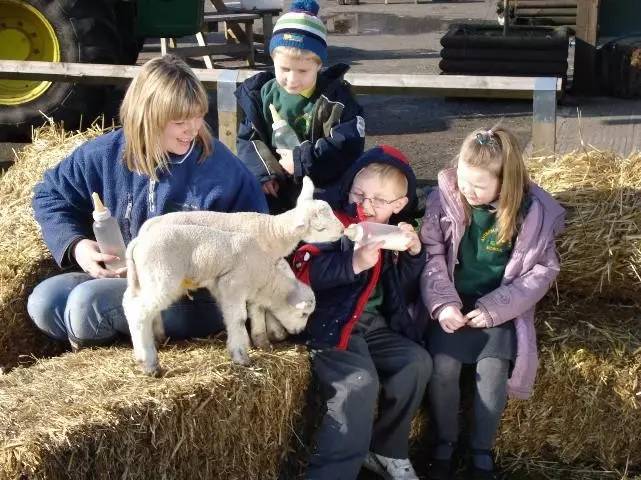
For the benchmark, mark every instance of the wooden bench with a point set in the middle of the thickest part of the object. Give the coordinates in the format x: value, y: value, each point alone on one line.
x: 244, y: 47
x: 542, y: 90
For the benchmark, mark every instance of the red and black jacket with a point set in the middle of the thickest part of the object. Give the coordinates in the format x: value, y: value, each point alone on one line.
x: 342, y: 295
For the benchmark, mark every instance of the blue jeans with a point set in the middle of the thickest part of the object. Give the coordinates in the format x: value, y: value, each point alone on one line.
x: 75, y: 306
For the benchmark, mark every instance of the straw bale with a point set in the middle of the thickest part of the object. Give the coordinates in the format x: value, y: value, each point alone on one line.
x: 601, y: 247
x: 586, y: 406
x: 24, y: 259
x: 91, y: 415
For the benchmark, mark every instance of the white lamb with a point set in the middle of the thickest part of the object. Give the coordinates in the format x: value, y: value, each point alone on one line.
x: 311, y: 221
x: 164, y: 264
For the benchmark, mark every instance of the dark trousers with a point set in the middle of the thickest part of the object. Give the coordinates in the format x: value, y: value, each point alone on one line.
x: 376, y: 359
x: 490, y: 398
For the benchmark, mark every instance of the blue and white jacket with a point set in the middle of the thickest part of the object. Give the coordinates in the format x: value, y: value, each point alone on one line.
x: 62, y: 200
x: 336, y: 138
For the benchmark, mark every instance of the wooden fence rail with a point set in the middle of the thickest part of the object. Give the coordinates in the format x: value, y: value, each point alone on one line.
x: 542, y: 90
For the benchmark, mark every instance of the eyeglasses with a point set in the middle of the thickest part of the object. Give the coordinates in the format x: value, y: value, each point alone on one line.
x: 375, y: 201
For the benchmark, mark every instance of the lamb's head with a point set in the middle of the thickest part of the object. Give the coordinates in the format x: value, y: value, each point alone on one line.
x: 294, y: 313
x: 315, y: 218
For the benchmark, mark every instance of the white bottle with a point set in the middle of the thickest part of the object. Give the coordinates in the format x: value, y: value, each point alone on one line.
x: 284, y: 135
x: 393, y: 237
x: 108, y: 234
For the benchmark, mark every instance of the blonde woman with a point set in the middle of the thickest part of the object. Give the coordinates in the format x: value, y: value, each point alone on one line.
x: 489, y: 234
x: 163, y: 159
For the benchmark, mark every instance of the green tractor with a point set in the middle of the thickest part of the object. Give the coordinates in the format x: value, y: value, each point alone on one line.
x: 84, y: 31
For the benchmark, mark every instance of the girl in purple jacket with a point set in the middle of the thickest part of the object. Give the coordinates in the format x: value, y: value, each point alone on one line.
x: 490, y: 239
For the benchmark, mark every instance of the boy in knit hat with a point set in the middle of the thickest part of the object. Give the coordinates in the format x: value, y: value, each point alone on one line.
x: 365, y: 346
x: 317, y: 104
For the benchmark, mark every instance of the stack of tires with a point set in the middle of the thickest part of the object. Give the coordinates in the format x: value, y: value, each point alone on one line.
x: 483, y: 49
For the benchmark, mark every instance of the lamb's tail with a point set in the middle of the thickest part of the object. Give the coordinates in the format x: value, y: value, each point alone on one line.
x: 132, y: 275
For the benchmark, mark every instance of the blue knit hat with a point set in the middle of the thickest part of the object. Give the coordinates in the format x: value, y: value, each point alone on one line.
x: 301, y: 28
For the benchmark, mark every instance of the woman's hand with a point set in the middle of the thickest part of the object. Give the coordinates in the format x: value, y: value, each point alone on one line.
x: 88, y: 256
x: 286, y: 159
x: 414, y: 245
x: 365, y: 256
x: 477, y: 319
x: 270, y: 187
x: 451, y: 319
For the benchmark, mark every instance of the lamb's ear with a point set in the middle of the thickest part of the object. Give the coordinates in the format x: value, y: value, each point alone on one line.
x: 307, y: 192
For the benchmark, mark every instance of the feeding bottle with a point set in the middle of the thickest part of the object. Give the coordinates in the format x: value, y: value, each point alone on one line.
x: 284, y: 135
x: 393, y: 237
x: 108, y: 234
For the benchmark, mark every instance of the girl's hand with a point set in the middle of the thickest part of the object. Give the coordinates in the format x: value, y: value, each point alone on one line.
x: 451, y: 319
x: 414, y: 245
x: 88, y: 256
x: 365, y: 256
x: 477, y: 319
x: 270, y: 187
x: 286, y: 159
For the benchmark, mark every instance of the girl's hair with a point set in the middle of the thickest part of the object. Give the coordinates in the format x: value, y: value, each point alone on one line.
x: 164, y: 90
x: 498, y: 151
x: 296, y: 53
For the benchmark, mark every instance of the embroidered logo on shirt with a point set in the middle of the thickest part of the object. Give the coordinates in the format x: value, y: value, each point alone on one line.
x: 492, y: 245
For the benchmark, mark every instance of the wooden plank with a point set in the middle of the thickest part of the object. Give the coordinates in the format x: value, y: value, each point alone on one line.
x: 235, y: 28
x: 587, y: 19
x: 544, y: 4
x: 230, y: 17
x: 200, y: 38
x: 546, y: 12
x: 212, y: 49
x: 449, y: 85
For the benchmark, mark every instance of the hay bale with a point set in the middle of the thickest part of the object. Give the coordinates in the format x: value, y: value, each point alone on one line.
x: 91, y: 415
x: 24, y: 259
x: 601, y: 247
x: 586, y: 406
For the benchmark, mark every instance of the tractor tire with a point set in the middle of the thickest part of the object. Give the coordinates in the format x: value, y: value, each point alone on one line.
x: 131, y: 44
x: 80, y: 31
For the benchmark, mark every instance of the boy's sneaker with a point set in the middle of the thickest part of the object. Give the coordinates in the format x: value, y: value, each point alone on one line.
x: 390, y: 468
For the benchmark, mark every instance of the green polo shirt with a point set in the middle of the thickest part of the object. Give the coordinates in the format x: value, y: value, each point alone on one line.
x: 481, y: 258
x: 295, y: 109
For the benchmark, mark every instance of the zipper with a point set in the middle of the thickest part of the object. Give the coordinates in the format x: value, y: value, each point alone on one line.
x: 151, y: 197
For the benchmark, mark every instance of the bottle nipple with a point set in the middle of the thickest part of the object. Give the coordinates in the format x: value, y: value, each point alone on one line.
x: 97, y: 203
x: 275, y: 116
x: 354, y: 232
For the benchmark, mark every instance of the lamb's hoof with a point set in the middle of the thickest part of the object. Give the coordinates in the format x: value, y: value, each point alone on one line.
x: 262, y: 342
x: 240, y: 357
x: 151, y: 370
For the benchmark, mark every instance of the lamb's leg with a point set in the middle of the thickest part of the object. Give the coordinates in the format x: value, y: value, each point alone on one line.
x: 275, y: 331
x: 140, y: 315
x: 233, y: 307
x: 159, y: 330
x: 258, y: 327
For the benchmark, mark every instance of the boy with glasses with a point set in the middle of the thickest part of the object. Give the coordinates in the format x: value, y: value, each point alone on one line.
x: 364, y: 343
